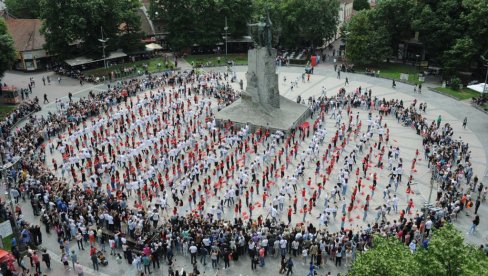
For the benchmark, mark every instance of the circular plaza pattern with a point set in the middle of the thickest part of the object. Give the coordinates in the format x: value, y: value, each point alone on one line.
x: 159, y: 153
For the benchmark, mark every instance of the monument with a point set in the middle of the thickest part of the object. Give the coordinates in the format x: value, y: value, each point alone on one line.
x: 261, y: 104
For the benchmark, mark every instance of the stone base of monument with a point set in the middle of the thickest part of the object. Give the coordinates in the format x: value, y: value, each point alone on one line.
x: 244, y: 111
x: 260, y: 104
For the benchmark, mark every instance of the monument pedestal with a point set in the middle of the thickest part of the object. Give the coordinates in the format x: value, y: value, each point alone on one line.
x: 261, y: 104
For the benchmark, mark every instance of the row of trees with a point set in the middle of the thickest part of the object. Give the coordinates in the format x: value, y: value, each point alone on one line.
x: 295, y: 22
x: 66, y: 23
x: 446, y: 254
x: 453, y: 32
x: 70, y: 22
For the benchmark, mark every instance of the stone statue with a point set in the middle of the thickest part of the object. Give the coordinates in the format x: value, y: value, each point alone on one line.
x: 261, y: 32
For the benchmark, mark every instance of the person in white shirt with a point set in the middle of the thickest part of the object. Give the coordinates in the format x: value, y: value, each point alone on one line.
x: 193, y: 253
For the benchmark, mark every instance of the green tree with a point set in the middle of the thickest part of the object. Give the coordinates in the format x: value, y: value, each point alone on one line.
x: 387, y: 257
x: 7, y: 50
x: 69, y: 22
x: 298, y: 26
x: 367, y: 43
x: 396, y: 17
x: 201, y: 21
x: 23, y: 8
x: 447, y: 254
x: 461, y: 54
x: 359, y: 5
x: 476, y: 28
x: 439, y: 25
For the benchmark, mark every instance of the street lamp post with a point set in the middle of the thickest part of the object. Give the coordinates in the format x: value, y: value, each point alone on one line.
x: 103, y: 41
x: 3, y: 171
x: 486, y: 64
x: 486, y: 78
x: 418, y: 62
x: 225, y: 29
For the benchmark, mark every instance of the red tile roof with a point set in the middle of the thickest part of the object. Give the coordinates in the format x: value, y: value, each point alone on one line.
x: 26, y: 34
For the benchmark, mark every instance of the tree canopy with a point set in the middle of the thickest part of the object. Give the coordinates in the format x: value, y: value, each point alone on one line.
x: 374, y: 35
x: 446, y: 254
x: 64, y: 24
x: 295, y: 22
x: 366, y: 42
x: 454, y: 33
x: 7, y: 50
x: 200, y: 21
x: 309, y: 22
x: 359, y: 5
x: 23, y: 8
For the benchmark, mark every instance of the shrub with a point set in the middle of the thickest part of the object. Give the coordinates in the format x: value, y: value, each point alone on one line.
x: 455, y: 83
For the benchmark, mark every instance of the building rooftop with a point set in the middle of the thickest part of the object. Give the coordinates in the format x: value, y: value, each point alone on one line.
x: 26, y: 34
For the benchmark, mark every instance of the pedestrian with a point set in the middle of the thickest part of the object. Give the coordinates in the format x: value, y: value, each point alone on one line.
x: 146, y: 261
x: 45, y: 98
x: 79, y: 241
x: 94, y: 260
x: 347, y: 81
x: 254, y: 262
x: 465, y: 122
x: 79, y: 269
x: 74, y: 258
x: 476, y: 222
x: 37, y: 263
x: 339, y: 256
x: 289, y: 266
x: 64, y: 260
x: 193, y: 253
x: 214, y: 257
x: 46, y: 258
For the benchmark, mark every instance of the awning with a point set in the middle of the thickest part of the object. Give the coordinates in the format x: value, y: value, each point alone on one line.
x: 479, y: 87
x: 241, y: 39
x: 84, y: 60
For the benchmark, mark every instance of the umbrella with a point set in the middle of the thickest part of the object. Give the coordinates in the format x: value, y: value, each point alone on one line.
x: 305, y: 125
x: 153, y: 46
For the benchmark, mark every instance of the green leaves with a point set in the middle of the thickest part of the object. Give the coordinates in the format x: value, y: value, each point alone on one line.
x: 454, y: 32
x: 367, y: 43
x: 374, y: 35
x: 447, y: 254
x: 67, y: 22
x: 7, y: 50
x: 201, y: 21
x: 308, y: 22
x: 295, y: 22
x: 23, y: 9
x: 388, y: 257
x: 359, y: 5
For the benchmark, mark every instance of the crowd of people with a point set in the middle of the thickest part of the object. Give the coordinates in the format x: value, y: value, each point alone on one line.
x: 144, y: 170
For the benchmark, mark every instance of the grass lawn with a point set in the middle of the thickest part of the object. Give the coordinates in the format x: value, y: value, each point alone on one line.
x: 463, y: 94
x: 5, y: 110
x: 485, y: 106
x: 212, y: 60
x: 393, y: 71
x: 152, y: 66
x: 7, y: 243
